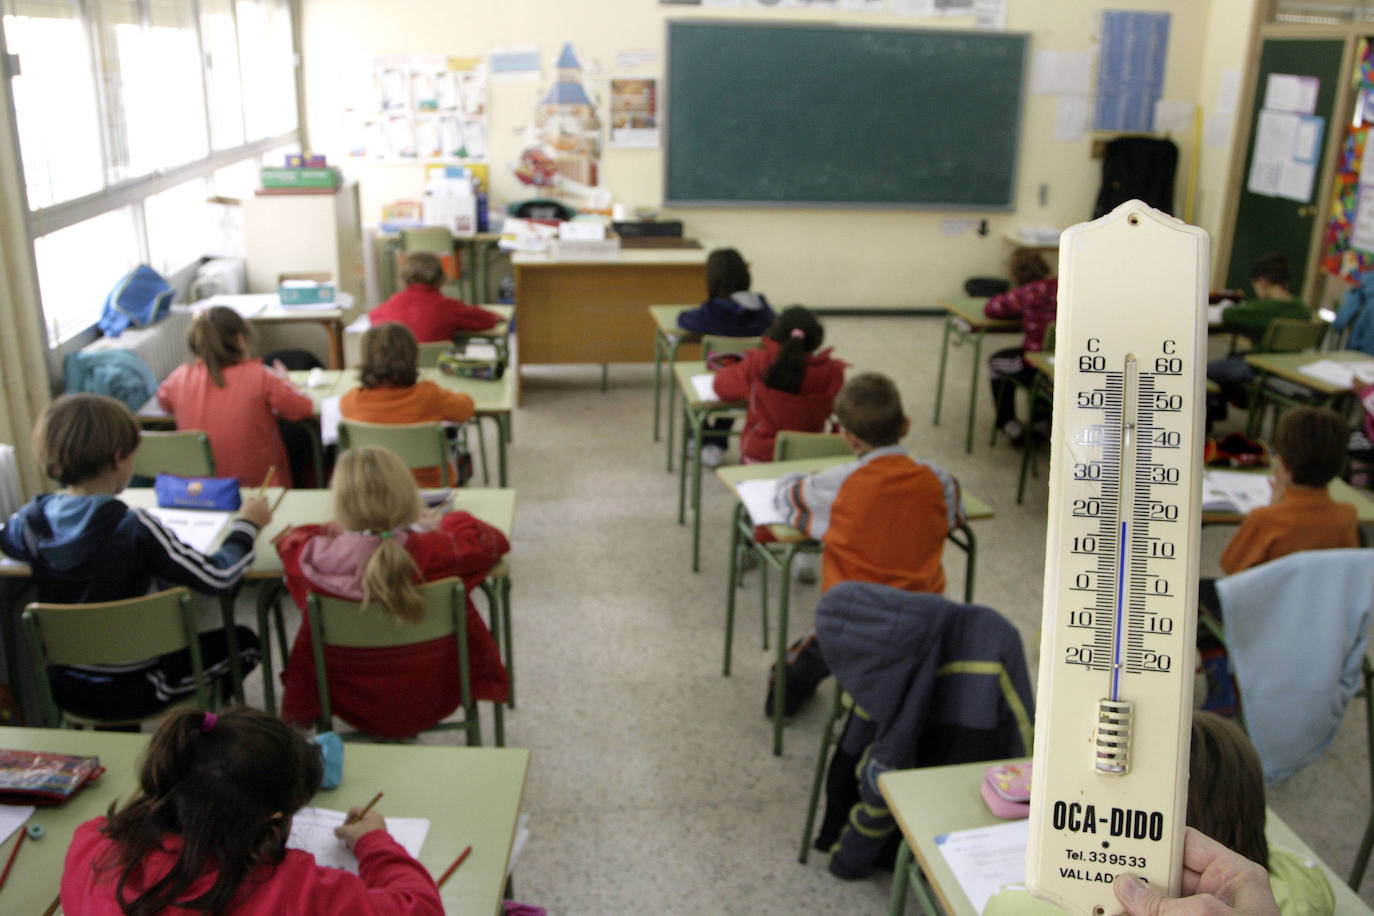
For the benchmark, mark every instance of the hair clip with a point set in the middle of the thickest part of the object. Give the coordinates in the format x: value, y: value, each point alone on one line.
x: 798, y: 334
x: 386, y: 534
x: 208, y: 723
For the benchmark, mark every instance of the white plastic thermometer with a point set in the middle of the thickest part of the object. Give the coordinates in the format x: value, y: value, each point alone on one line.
x: 1114, y: 708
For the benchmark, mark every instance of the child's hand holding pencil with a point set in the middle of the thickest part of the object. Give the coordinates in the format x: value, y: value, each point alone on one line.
x: 255, y: 509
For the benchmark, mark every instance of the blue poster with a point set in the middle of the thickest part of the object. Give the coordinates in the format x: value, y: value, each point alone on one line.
x: 1130, y: 69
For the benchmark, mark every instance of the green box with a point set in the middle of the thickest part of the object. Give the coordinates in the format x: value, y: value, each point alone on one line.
x: 272, y: 177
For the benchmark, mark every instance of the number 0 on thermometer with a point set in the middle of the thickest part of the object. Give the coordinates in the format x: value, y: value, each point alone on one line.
x: 1114, y: 707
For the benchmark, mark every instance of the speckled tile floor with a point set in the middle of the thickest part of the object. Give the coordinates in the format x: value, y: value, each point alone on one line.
x: 652, y: 787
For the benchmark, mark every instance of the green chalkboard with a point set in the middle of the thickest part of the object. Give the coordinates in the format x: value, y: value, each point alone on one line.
x: 819, y: 114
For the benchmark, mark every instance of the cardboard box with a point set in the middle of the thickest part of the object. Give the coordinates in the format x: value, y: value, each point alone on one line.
x: 305, y: 292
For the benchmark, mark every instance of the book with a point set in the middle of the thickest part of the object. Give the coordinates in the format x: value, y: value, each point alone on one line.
x: 1234, y: 491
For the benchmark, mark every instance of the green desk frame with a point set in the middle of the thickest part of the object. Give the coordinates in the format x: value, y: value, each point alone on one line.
x: 966, y: 324
x: 695, y: 413
x: 668, y: 339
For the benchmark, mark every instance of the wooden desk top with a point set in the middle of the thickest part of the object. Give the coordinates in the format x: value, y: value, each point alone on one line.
x: 472, y: 796
x: 934, y: 801
x: 665, y: 320
x: 493, y: 505
x: 970, y: 310
x: 730, y: 475
x: 1285, y: 366
x: 628, y: 257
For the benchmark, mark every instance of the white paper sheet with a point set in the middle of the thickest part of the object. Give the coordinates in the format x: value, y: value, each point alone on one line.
x: 198, y: 528
x: 757, y: 496
x: 312, y: 831
x: 1228, y: 92
x: 1296, y: 180
x: 1216, y: 129
x: 1341, y: 375
x: 1071, y: 114
x: 1362, y: 233
x: 247, y: 305
x: 986, y: 859
x: 990, y: 14
x: 703, y: 385
x: 1287, y: 92
x: 1274, y: 139
x: 13, y: 817
x: 1174, y: 116
x: 1235, y: 490
x: 1061, y: 73
x: 330, y: 415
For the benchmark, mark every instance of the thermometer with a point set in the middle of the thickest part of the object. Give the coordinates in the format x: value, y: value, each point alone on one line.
x: 1115, y: 700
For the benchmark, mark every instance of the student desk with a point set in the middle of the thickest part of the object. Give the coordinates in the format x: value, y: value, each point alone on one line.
x: 1284, y: 366
x: 328, y: 315
x: 966, y: 323
x: 593, y: 311
x: 471, y: 796
x: 787, y: 543
x: 934, y: 801
x: 1338, y: 489
x: 668, y: 339
x: 695, y: 413
x: 498, y: 335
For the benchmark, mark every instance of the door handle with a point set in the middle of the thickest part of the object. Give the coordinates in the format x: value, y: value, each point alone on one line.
x: 1307, y: 210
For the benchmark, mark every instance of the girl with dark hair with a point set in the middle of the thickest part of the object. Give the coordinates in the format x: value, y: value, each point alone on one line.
x: 207, y: 833
x: 730, y: 309
x: 790, y: 384
x: 235, y: 399
x: 1034, y: 299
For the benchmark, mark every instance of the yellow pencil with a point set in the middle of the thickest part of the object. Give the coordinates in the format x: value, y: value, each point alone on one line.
x: 374, y: 801
x: 267, y: 480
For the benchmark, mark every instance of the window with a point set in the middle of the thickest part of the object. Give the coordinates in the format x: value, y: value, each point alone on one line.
x: 79, y: 265
x: 133, y: 117
x: 61, y: 156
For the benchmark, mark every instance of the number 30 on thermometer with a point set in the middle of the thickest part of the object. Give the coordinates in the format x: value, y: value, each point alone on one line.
x: 1114, y: 706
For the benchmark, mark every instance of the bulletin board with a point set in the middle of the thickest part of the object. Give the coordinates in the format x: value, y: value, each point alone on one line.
x: 799, y: 114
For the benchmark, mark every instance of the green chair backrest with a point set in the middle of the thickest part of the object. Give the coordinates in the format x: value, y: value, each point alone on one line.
x: 789, y: 445
x: 349, y: 623
x: 712, y: 343
x: 186, y: 452
x: 435, y: 239
x: 1292, y: 335
x: 420, y: 445
x: 1049, y: 337
x: 430, y: 353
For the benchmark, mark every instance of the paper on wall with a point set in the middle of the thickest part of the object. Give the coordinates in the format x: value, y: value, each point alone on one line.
x: 1061, y: 72
x: 1174, y: 117
x: 1071, y: 114
x: 1228, y: 91
x: 990, y: 14
x: 312, y: 831
x: 1287, y: 92
x: 957, y: 225
x: 1273, y: 146
x: 515, y: 64
x: 986, y: 859
x: 1362, y: 232
x: 1216, y: 130
x: 635, y: 57
x: 1296, y: 180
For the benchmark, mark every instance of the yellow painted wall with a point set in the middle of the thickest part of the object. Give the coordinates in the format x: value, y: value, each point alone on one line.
x: 846, y: 257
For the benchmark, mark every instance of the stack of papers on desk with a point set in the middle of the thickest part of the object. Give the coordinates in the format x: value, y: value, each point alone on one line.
x: 1234, y: 491
x: 247, y: 306
x: 198, y: 528
x: 704, y: 386
x: 757, y: 496
x: 1341, y: 375
x: 986, y: 859
x: 312, y: 831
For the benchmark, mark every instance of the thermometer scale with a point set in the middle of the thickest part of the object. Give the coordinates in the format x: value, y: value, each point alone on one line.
x: 1114, y: 705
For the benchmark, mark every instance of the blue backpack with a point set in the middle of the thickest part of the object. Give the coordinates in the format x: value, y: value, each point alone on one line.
x: 140, y: 298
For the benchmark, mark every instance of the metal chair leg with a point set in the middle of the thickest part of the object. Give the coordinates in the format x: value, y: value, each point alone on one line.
x: 822, y: 758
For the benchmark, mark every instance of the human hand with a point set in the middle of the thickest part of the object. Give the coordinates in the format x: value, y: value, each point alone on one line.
x: 257, y: 511
x: 1279, y: 482
x: 1216, y: 882
x: 351, y: 829
x: 430, y: 518
x: 278, y: 368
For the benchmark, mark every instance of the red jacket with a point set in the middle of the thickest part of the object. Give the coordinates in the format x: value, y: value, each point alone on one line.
x: 430, y: 315
x: 1034, y: 303
x: 390, y: 692
x: 388, y: 882
x: 771, y: 410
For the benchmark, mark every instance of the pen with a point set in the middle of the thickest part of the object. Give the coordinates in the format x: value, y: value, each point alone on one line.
x: 354, y: 820
x: 454, y: 867
x: 9, y: 863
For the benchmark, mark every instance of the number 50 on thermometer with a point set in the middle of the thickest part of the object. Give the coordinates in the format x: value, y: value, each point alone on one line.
x: 1114, y: 706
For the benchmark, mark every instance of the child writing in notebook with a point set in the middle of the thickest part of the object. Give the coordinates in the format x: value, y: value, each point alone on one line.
x: 235, y: 399
x: 207, y: 832
x: 430, y: 315
x: 1034, y: 300
x: 84, y: 546
x: 391, y: 391
x: 378, y: 546
x: 790, y: 384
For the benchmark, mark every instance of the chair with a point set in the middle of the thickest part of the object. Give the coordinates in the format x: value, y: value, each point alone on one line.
x: 113, y: 633
x: 968, y: 661
x: 436, y: 240
x: 420, y: 445
x: 430, y: 353
x: 336, y: 622
x: 790, y: 444
x: 1284, y: 335
x: 186, y: 452
x: 714, y: 343
x: 1297, y: 671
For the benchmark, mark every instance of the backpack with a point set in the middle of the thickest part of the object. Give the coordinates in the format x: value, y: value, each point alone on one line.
x: 1137, y: 168
x: 140, y: 298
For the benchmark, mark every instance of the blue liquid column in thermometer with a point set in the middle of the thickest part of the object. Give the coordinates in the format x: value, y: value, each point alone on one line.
x: 1115, y: 684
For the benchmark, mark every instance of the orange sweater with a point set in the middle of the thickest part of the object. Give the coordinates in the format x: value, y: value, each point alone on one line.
x: 1305, y: 519
x: 423, y: 402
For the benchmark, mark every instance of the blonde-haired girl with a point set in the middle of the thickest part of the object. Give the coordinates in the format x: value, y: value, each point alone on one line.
x: 379, y: 545
x: 236, y: 400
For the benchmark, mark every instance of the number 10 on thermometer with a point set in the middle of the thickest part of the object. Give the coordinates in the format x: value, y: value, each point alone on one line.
x: 1114, y: 706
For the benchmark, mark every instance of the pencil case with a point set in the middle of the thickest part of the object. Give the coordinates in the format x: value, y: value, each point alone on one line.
x: 332, y: 754
x: 32, y: 778
x: 173, y: 492
x: 1006, y: 790
x: 484, y: 369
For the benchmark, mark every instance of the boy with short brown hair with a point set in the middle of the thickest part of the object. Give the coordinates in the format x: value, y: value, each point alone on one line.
x: 430, y: 315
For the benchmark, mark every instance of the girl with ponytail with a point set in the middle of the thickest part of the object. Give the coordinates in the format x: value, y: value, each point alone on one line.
x: 207, y: 830
x: 790, y: 384
x: 378, y: 547
x: 234, y: 399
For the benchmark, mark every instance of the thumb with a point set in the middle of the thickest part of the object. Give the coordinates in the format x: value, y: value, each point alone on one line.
x: 1139, y: 898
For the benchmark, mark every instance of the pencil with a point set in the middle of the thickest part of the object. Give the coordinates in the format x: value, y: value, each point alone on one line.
x: 9, y: 863
x: 454, y: 867
x: 52, y: 907
x: 354, y: 820
x: 280, y: 497
x: 262, y: 488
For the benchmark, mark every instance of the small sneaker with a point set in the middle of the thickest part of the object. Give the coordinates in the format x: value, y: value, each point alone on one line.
x: 712, y: 456
x: 804, y: 566
x: 1013, y: 430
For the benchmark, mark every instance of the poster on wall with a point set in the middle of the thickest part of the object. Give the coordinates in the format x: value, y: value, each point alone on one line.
x: 1130, y: 69
x: 1284, y: 160
x: 1348, y: 244
x: 420, y: 106
x: 561, y: 156
x: 634, y: 114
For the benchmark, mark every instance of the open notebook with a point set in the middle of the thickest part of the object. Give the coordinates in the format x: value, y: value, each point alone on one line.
x: 312, y: 831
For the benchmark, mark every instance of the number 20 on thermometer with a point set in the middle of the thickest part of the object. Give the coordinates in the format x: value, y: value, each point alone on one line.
x: 1114, y: 706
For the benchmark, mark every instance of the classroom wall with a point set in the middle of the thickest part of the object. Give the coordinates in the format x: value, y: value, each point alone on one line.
x: 823, y: 257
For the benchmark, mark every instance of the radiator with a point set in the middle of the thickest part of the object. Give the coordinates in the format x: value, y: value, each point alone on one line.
x: 162, y: 346
x: 11, y: 493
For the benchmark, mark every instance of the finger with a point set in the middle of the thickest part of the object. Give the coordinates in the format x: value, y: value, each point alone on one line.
x: 1200, y: 850
x: 1139, y: 898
